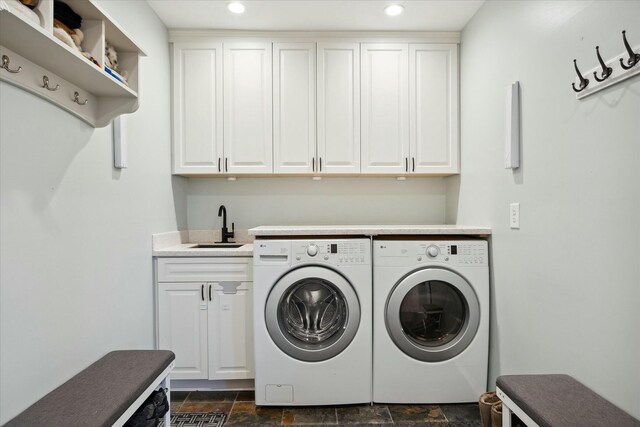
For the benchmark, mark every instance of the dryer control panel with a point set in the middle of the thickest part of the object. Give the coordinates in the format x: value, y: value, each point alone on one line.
x: 335, y: 252
x: 451, y: 252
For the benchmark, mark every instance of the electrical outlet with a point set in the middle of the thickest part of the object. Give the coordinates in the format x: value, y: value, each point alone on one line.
x: 514, y: 215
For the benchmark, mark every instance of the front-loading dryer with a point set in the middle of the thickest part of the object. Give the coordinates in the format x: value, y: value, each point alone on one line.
x: 430, y: 320
x: 312, y: 321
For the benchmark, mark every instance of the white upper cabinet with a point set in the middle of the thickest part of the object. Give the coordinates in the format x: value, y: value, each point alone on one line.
x: 433, y: 108
x: 258, y: 105
x: 294, y: 107
x: 197, y: 110
x: 385, y: 108
x: 338, y: 90
x: 247, y: 108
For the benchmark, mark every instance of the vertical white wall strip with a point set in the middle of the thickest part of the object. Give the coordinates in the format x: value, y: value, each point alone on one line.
x: 512, y: 127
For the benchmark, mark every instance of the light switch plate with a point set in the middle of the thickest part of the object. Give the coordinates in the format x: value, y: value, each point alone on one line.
x: 514, y: 215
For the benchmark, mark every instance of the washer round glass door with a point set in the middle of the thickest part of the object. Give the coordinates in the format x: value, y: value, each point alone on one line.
x: 312, y: 313
x: 432, y: 314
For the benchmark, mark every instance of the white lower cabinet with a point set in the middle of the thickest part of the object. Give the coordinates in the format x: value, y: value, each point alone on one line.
x: 207, y: 324
x: 231, y: 331
x: 182, y: 327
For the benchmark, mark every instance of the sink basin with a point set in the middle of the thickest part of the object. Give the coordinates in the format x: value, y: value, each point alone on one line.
x: 218, y: 245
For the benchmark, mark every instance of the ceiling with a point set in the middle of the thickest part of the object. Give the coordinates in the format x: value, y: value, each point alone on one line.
x: 317, y: 15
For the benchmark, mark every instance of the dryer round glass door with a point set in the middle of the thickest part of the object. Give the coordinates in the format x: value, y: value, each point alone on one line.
x: 312, y: 313
x: 432, y: 314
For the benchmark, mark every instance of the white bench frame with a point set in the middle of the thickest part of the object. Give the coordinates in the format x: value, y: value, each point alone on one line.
x: 162, y: 381
x: 509, y: 406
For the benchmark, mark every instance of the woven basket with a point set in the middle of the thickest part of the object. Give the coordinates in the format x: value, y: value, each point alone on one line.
x: 496, y: 415
x: 486, y: 401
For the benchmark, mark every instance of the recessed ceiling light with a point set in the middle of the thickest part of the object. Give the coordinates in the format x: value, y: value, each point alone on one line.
x: 394, y: 9
x: 235, y: 7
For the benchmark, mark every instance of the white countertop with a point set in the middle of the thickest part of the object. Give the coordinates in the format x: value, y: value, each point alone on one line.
x: 183, y: 244
x: 368, y: 230
x: 189, y: 250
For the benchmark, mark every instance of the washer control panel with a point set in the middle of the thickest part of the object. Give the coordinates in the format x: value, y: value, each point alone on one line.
x: 451, y: 252
x: 457, y: 253
x: 336, y: 252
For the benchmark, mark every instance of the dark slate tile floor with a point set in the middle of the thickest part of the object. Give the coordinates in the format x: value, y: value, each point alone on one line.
x: 240, y: 409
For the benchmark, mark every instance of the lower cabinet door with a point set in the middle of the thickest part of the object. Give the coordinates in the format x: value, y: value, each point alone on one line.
x: 231, y: 331
x: 182, y: 327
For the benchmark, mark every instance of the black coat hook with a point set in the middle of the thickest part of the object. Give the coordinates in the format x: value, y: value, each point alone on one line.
x: 606, y: 71
x: 583, y: 82
x: 634, y: 58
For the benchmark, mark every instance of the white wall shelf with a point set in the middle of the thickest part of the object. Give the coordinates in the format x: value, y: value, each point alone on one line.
x: 34, y: 48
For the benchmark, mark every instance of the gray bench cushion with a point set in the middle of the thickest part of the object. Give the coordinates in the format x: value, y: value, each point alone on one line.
x: 100, y: 394
x: 561, y: 401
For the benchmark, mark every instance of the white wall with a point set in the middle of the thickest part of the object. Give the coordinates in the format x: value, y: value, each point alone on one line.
x: 75, y: 252
x: 252, y: 202
x: 566, y: 286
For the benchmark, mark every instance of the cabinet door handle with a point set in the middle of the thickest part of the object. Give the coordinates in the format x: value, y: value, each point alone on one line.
x: 406, y: 164
x: 313, y: 164
x: 202, y: 292
x: 320, y: 164
x: 226, y: 164
x: 210, y: 292
x: 413, y: 164
x: 219, y: 159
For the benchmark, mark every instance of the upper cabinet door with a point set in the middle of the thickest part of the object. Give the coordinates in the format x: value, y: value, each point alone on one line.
x: 433, y: 80
x: 385, y: 108
x: 247, y: 108
x: 294, y: 107
x: 197, y: 108
x: 338, y: 107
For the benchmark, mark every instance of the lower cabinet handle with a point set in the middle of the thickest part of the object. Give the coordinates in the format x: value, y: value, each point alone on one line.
x: 202, y: 292
x: 413, y: 164
x: 313, y: 164
x: 406, y: 164
x: 226, y: 165
x: 209, y: 292
x: 320, y: 164
x: 219, y: 159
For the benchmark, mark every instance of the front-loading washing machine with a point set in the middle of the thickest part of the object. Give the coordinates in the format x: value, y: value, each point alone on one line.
x: 430, y: 320
x: 312, y: 321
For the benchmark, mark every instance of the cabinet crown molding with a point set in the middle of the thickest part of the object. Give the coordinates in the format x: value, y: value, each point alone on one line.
x: 184, y: 35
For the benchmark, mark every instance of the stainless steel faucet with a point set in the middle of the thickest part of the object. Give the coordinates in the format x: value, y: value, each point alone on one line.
x: 226, y: 234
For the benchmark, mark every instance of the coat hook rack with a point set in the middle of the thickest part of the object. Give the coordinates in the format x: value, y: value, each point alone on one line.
x: 583, y: 82
x: 608, y: 73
